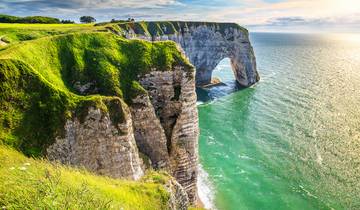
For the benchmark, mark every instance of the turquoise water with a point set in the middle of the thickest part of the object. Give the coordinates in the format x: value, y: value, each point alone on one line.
x: 293, y: 140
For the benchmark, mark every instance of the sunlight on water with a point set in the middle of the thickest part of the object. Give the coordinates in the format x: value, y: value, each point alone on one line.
x: 293, y: 140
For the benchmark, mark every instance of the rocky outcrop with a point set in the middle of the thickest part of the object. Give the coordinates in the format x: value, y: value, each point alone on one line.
x: 99, y: 145
x: 149, y: 134
x: 178, y: 197
x: 173, y: 101
x: 205, y: 44
x: 162, y: 125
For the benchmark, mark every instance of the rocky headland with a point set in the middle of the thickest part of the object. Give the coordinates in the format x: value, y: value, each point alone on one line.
x: 119, y: 103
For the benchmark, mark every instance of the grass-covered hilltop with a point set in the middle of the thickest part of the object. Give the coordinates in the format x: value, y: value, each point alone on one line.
x: 39, y: 80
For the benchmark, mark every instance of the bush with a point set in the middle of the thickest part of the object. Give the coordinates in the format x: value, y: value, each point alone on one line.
x: 87, y: 19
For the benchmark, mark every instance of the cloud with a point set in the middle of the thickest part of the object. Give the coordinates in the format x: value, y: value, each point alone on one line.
x: 43, y: 5
x: 324, y: 24
x: 287, y: 20
x: 255, y: 14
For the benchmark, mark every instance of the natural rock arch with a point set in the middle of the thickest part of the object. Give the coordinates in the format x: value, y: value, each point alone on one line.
x: 206, y: 48
x: 206, y: 44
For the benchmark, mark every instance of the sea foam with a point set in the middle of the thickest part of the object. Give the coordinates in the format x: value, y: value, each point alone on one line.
x: 206, y: 190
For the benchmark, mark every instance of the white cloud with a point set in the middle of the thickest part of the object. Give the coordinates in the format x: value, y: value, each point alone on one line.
x: 254, y: 13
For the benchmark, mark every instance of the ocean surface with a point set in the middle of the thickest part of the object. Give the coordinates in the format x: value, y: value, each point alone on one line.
x: 293, y: 140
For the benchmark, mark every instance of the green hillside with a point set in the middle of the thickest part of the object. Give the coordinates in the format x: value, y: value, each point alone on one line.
x: 38, y: 80
x: 37, y: 184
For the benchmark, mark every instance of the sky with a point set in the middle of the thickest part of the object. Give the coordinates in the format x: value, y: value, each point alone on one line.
x: 319, y: 16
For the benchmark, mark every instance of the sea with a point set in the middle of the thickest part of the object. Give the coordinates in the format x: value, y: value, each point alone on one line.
x: 292, y: 141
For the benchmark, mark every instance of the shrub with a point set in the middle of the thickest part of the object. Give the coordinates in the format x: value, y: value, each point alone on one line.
x: 87, y: 19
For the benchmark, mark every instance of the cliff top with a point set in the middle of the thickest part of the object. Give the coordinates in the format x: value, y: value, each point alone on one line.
x: 13, y: 32
x: 158, y: 28
x: 48, y: 80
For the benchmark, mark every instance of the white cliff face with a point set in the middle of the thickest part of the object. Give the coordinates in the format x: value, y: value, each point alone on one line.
x: 99, y: 146
x: 168, y: 125
x: 162, y: 125
x: 207, y: 44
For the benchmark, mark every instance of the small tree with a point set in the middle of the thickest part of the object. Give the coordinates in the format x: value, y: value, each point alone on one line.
x: 87, y: 19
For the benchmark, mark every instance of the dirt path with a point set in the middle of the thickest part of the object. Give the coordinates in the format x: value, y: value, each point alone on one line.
x: 2, y: 43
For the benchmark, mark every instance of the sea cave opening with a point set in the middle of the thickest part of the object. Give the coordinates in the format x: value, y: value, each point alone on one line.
x: 223, y: 82
x: 223, y: 73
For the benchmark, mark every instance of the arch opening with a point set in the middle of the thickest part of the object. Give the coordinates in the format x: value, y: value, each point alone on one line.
x: 222, y: 81
x: 223, y: 73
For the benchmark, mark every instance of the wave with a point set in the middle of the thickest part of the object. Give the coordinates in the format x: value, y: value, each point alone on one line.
x: 206, y: 190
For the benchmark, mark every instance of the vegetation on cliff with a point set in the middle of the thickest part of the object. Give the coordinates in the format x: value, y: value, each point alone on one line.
x: 158, y: 28
x: 56, y: 75
x: 41, y: 81
x: 37, y: 184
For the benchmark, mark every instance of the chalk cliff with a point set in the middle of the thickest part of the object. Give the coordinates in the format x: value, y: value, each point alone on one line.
x: 166, y: 125
x: 205, y: 44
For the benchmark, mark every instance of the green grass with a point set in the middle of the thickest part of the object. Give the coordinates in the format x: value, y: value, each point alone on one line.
x: 17, y: 32
x: 28, y: 183
x: 38, y: 82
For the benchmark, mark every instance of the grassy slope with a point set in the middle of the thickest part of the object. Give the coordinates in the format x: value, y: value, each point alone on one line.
x: 36, y: 184
x: 37, y: 89
x: 16, y: 32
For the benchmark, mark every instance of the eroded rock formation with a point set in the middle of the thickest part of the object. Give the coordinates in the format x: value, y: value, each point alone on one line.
x: 206, y: 44
x: 99, y: 145
x: 164, y: 123
x: 171, y: 136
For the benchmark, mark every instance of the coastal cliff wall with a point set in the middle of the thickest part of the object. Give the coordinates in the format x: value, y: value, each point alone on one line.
x: 173, y: 99
x: 99, y: 145
x: 205, y: 44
